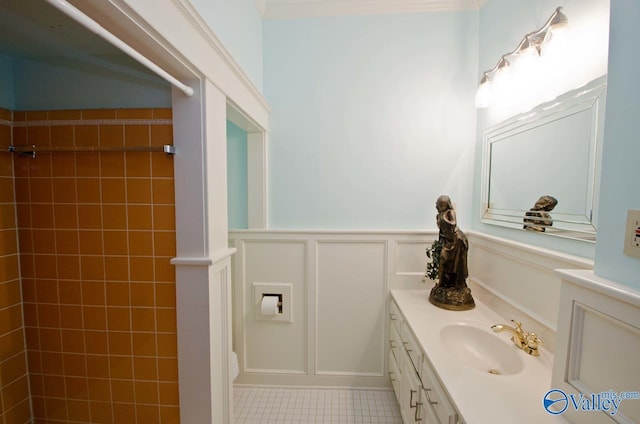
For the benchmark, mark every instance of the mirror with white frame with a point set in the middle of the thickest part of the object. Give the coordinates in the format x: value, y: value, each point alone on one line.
x: 552, y: 150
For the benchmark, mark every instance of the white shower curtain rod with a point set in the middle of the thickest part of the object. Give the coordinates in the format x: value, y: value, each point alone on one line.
x: 93, y: 26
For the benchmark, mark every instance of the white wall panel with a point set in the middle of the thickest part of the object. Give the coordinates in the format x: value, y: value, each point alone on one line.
x: 275, y: 347
x: 340, y: 331
x: 586, y: 367
x: 598, y: 343
x: 351, y: 292
x: 410, y: 258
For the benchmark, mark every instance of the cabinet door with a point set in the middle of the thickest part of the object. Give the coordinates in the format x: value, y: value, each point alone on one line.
x: 410, y: 392
x: 395, y: 375
x: 412, y: 348
x: 425, y: 413
x: 395, y: 346
x: 436, y: 397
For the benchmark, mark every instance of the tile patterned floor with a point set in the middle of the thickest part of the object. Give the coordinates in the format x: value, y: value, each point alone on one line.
x: 287, y: 405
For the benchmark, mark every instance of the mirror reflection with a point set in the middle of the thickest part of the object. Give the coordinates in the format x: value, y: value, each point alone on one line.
x: 540, y: 168
x: 538, y: 217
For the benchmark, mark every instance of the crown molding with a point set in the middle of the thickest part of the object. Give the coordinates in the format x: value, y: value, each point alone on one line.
x: 261, y: 5
x: 202, y: 27
x: 287, y: 9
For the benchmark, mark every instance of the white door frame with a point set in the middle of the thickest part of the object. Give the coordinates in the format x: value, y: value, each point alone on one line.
x: 174, y: 36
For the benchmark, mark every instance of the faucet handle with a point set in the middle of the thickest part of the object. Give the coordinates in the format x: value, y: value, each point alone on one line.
x: 532, y: 342
x: 518, y: 325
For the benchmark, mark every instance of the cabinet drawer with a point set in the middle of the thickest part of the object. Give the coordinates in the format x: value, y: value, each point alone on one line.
x: 395, y: 317
x: 395, y: 375
x: 412, y: 348
x: 436, y: 397
x: 395, y: 343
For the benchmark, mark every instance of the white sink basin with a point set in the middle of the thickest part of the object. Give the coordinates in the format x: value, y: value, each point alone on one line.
x: 481, y: 349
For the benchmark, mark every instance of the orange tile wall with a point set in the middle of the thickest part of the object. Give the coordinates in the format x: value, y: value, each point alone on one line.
x: 96, y: 233
x: 14, y: 383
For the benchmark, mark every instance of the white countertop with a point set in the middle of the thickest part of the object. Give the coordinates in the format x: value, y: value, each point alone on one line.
x: 479, y: 397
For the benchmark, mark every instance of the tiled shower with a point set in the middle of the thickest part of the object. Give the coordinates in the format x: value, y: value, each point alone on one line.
x: 14, y: 386
x: 87, y: 304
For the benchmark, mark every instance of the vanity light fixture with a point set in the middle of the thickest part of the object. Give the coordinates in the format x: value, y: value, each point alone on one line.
x: 529, y: 50
x: 503, y: 69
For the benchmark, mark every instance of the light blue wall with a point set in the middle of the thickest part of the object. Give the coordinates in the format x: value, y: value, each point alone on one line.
x: 238, y: 25
x: 68, y: 84
x: 372, y: 119
x: 620, y: 181
x: 7, y: 97
x: 237, y: 177
x: 503, y: 23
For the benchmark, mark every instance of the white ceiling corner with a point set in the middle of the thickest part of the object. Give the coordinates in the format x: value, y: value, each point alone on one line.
x: 261, y: 5
x: 283, y: 9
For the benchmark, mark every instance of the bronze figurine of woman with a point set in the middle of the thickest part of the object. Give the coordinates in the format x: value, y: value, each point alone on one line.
x: 451, y: 290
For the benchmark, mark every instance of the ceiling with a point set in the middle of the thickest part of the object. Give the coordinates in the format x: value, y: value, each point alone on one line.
x: 35, y: 29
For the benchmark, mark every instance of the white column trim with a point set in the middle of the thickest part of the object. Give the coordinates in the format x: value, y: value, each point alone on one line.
x: 257, y: 179
x: 204, y: 261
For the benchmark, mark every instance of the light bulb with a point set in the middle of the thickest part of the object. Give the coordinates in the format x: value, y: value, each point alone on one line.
x: 502, y: 83
x: 556, y: 41
x: 528, y: 60
x: 483, y: 94
x: 526, y: 73
x: 502, y: 77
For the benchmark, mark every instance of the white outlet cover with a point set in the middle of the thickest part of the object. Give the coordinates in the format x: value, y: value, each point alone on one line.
x: 632, y: 234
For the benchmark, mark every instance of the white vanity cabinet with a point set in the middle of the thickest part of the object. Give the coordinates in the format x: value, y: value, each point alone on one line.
x: 451, y: 386
x: 436, y: 400
x: 418, y: 391
x: 395, y: 371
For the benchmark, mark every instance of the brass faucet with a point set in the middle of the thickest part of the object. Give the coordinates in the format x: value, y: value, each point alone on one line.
x: 528, y: 342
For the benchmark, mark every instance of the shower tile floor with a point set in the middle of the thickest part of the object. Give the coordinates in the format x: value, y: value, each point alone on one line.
x: 287, y: 405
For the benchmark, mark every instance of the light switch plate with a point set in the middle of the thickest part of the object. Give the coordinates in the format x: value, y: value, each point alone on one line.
x: 632, y: 234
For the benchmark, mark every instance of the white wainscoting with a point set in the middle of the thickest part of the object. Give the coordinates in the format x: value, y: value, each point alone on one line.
x: 598, y: 344
x: 340, y: 282
x: 350, y: 296
x: 274, y: 346
x: 519, y: 282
